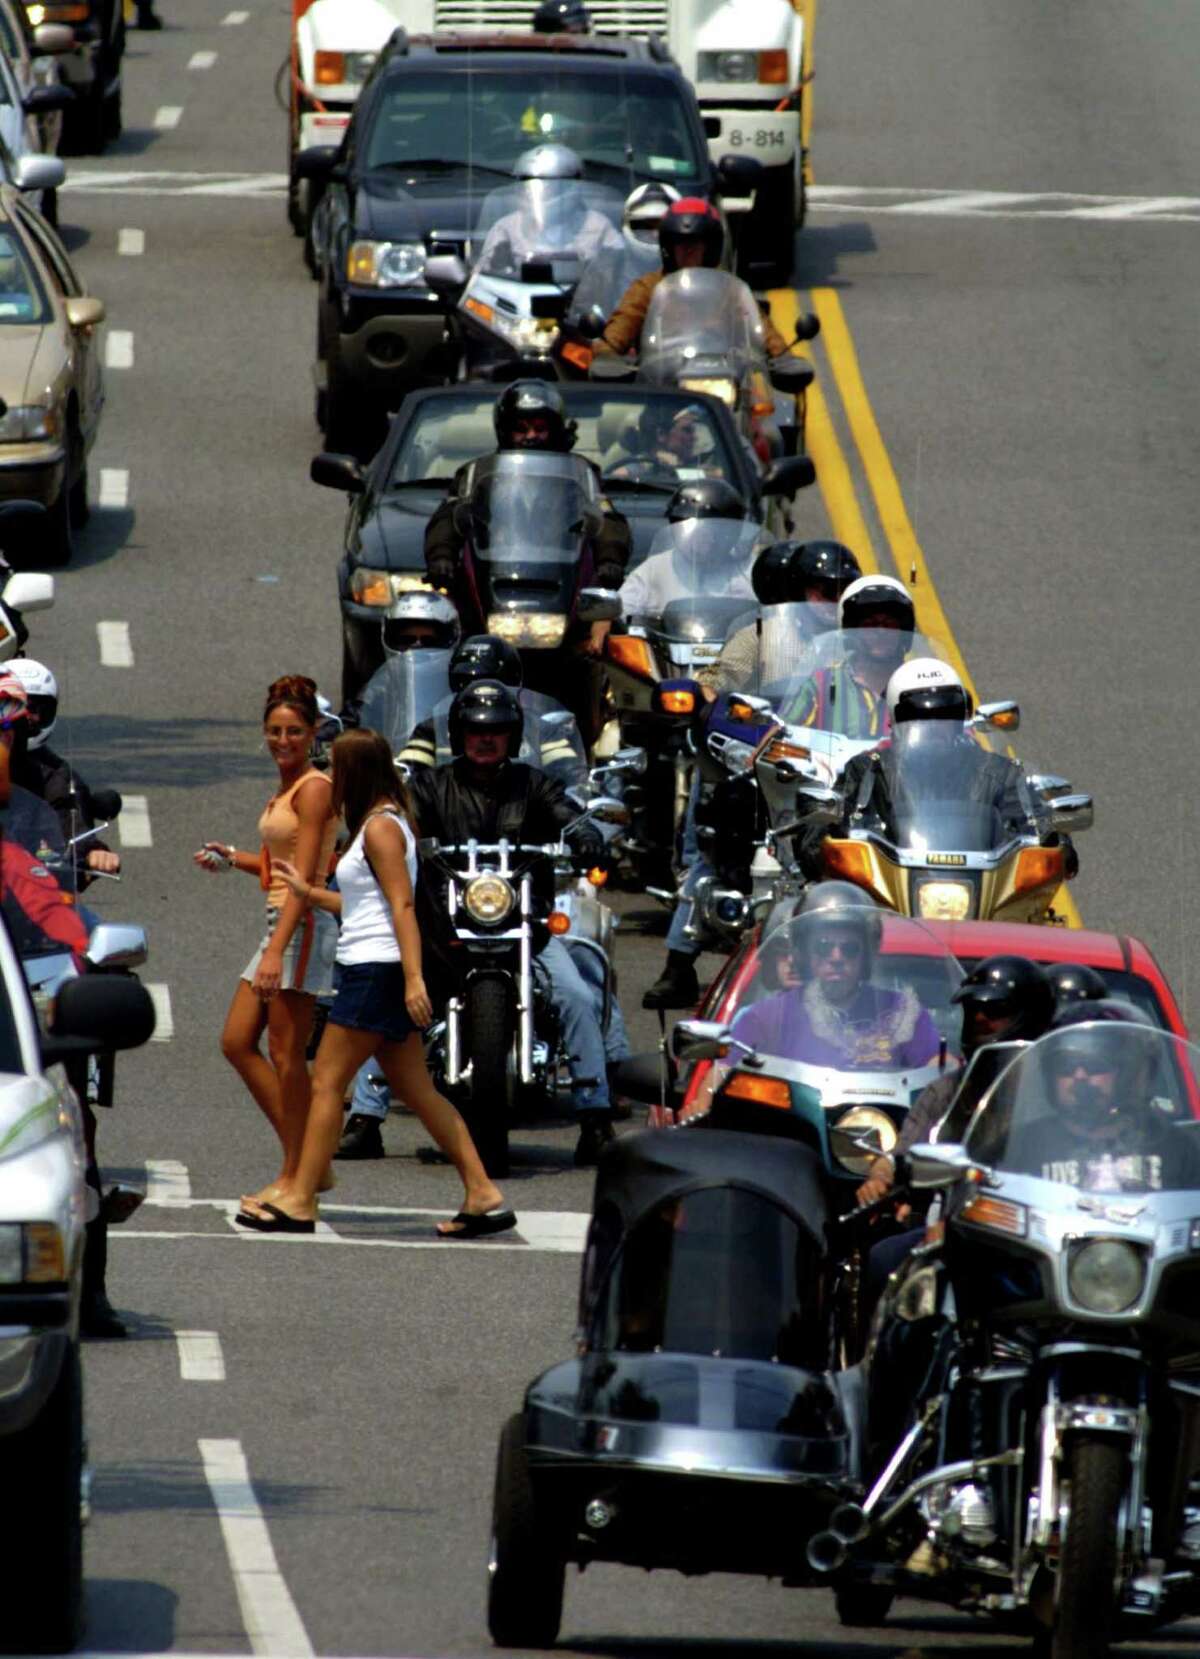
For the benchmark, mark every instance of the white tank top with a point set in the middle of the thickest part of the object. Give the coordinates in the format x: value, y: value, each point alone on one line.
x: 367, y: 933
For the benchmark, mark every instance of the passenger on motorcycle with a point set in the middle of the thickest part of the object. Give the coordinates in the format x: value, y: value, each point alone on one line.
x: 851, y: 693
x: 529, y: 414
x: 690, y: 235
x: 707, y: 547
x: 836, y: 1015
x: 484, y: 795
x: 35, y: 766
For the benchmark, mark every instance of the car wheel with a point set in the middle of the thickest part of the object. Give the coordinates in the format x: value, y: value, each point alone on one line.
x: 527, y: 1568
x: 56, y: 544
x: 343, y: 403
x: 43, y: 1565
x: 767, y: 245
x: 78, y: 506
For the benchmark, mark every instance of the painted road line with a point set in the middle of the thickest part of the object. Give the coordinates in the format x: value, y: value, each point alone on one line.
x: 867, y: 200
x: 115, y: 648
x: 131, y: 241
x: 167, y: 116
x: 889, y: 502
x: 175, y: 183
x: 505, y: 1243
x: 114, y: 487
x: 200, y: 1356
x: 231, y: 20
x: 168, y: 1183
x: 118, y: 349
x: 202, y: 60
x: 133, y: 825
x: 833, y: 474
x: 271, y: 1618
x: 164, y: 1020
x: 560, y: 1232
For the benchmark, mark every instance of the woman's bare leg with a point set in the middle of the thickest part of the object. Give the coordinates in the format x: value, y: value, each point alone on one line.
x: 244, y: 1026
x: 289, y: 1026
x: 408, y: 1076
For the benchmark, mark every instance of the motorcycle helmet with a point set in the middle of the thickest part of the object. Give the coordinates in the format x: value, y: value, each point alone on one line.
x: 484, y: 657
x: 562, y: 17
x: 523, y: 399
x: 840, y: 904
x: 643, y: 212
x: 1074, y: 982
x: 486, y: 705
x: 41, y: 690
x: 706, y: 498
x: 548, y: 161
x: 769, y: 578
x: 877, y: 596
x: 926, y: 689
x: 691, y: 219
x: 1008, y: 988
x: 419, y: 621
x: 821, y: 564
x: 1095, y: 1037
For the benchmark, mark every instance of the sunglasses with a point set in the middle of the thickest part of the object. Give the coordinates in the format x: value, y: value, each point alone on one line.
x: 850, y: 949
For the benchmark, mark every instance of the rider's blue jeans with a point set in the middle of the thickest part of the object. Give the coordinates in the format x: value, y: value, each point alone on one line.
x: 697, y: 868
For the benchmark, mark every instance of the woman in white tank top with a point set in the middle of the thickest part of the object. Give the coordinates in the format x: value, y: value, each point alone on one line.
x: 381, y: 1005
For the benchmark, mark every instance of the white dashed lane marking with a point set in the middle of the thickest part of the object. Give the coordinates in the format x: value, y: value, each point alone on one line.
x: 164, y: 1023
x: 167, y: 1181
x: 114, y: 486
x: 133, y: 826
x: 131, y: 241
x: 232, y: 19
x: 200, y: 1356
x: 167, y: 116
x: 118, y: 349
x: 1002, y: 204
x: 202, y: 60
x: 116, y: 651
x: 271, y: 1618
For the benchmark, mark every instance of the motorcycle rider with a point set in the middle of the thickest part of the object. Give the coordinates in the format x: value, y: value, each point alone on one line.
x: 710, y: 554
x: 485, y: 795
x: 690, y: 235
x: 552, y: 213
x: 419, y: 621
x: 878, y: 612
x: 35, y: 766
x: 529, y: 414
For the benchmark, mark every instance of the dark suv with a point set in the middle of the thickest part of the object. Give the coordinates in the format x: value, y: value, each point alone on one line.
x: 437, y: 126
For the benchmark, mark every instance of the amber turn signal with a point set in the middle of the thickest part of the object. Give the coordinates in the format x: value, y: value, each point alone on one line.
x: 677, y: 702
x: 761, y: 1091
x: 329, y: 68
x: 597, y: 876
x: 1038, y: 867
x: 558, y: 921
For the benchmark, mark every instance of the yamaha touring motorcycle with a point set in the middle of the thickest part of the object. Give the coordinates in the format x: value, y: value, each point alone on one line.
x: 1033, y: 1381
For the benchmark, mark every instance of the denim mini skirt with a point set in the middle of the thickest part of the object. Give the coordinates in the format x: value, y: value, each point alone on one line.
x: 308, y: 959
x: 369, y: 996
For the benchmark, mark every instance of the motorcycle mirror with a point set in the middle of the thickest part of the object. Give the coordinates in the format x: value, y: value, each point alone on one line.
x: 738, y: 175
x: 107, y: 802
x: 39, y: 173
x: 553, y: 306
x: 808, y: 326
x: 613, y: 371
x: 42, y: 100
x: 98, y: 1013
x: 117, y: 945
x: 788, y: 475
x: 932, y: 1167
x: 1003, y: 717
x: 849, y: 1143
x: 337, y: 472
x: 700, y: 1040
x: 446, y: 274
x: 29, y: 590
x: 790, y: 373
x: 317, y: 162
x: 49, y: 39
x: 815, y: 804
x: 607, y: 809
x: 1048, y: 784
x: 598, y: 605
x: 593, y: 323
x: 1071, y: 813
x: 630, y: 760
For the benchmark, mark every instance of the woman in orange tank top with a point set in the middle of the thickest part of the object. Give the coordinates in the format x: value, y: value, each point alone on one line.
x: 293, y: 965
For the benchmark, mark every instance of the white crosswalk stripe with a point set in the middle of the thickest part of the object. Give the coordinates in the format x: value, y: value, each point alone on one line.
x: 867, y: 200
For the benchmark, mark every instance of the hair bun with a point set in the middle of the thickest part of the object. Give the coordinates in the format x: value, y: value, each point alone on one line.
x: 296, y: 691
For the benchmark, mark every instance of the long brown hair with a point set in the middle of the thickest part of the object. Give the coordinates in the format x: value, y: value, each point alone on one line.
x: 363, y: 773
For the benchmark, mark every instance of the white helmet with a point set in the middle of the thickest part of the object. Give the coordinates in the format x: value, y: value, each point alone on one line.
x: 42, y: 690
x: 926, y: 689
x: 869, y: 595
x: 644, y: 207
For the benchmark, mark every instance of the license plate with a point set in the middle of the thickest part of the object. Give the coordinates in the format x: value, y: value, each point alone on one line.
x: 770, y: 137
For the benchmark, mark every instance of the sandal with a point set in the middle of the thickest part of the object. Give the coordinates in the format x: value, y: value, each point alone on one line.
x: 275, y: 1221
x: 465, y: 1225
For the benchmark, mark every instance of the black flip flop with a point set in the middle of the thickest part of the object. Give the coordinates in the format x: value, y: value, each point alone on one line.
x: 275, y: 1221
x: 480, y: 1226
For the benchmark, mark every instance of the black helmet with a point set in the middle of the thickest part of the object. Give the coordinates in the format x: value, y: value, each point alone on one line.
x: 875, y: 595
x: 1073, y: 982
x: 1008, y: 988
x: 706, y: 498
x: 486, y: 705
x: 562, y: 17
x: 691, y: 219
x: 524, y: 398
x: 769, y: 577
x: 827, y: 562
x: 485, y: 657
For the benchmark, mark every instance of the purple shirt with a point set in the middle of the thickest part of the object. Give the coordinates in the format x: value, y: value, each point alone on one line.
x: 879, y: 1031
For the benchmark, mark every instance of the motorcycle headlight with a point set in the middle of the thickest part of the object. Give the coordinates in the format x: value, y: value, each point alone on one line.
x: 714, y: 385
x: 859, y: 1120
x: 1106, y: 1275
x: 537, y: 629
x: 944, y: 901
x: 526, y: 333
x: 28, y: 422
x: 386, y: 264
x: 488, y: 899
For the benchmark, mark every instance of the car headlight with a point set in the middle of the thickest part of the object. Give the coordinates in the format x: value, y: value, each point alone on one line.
x: 488, y: 899
x: 945, y: 901
x: 859, y: 1120
x: 342, y: 68
x: 26, y: 422
x: 727, y: 66
x: 538, y: 629
x: 379, y: 587
x: 714, y: 386
x: 386, y: 264
x: 32, y: 1253
x: 1106, y: 1275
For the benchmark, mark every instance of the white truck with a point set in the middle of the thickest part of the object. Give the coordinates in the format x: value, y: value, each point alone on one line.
x: 745, y: 59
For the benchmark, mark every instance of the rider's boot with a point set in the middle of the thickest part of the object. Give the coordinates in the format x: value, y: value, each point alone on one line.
x: 361, y: 1138
x: 595, y: 1133
x: 98, y: 1319
x: 677, y: 985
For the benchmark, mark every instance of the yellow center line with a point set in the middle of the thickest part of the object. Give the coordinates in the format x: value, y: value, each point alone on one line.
x: 808, y: 11
x: 889, y: 502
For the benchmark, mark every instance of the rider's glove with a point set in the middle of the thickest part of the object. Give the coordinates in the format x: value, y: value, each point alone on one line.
x: 441, y: 572
x: 586, y: 844
x: 609, y: 575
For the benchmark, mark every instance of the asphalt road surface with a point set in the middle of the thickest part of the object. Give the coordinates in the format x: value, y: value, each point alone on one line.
x: 1004, y: 212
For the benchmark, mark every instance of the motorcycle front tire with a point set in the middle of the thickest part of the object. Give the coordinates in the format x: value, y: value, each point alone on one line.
x: 488, y: 1028
x: 1085, y: 1606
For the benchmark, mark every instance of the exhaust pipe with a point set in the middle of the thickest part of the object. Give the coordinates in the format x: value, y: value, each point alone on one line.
x: 849, y: 1523
x: 826, y: 1552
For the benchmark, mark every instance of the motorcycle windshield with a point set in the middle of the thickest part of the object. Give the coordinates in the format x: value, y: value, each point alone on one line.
x: 550, y: 738
x: 697, y: 575
x: 839, y: 685
x: 404, y: 693
x: 1104, y: 1107
x: 701, y: 327
x: 530, y: 507
x: 609, y: 272
x: 562, y: 223
x: 936, y: 790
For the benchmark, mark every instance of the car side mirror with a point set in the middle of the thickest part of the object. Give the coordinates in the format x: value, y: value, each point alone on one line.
x: 788, y: 475
x: 446, y: 275
x: 29, y: 590
x: 613, y: 371
x: 49, y: 39
x: 38, y: 173
x: 337, y: 472
x: 117, y: 945
x: 1071, y: 813
x: 83, y: 311
x: 700, y: 1040
x: 316, y: 163
x: 43, y: 100
x: 790, y: 374
x: 1001, y: 717
x: 598, y: 605
x: 98, y: 1013
x: 738, y: 175
x: 1048, y: 784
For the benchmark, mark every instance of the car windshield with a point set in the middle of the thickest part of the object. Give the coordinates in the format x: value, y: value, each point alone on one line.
x: 21, y: 296
x: 657, y: 440
x: 1105, y: 1107
x: 10, y: 41
x: 625, y: 126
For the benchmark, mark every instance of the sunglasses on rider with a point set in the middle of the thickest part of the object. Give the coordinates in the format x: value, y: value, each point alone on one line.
x: 849, y: 949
